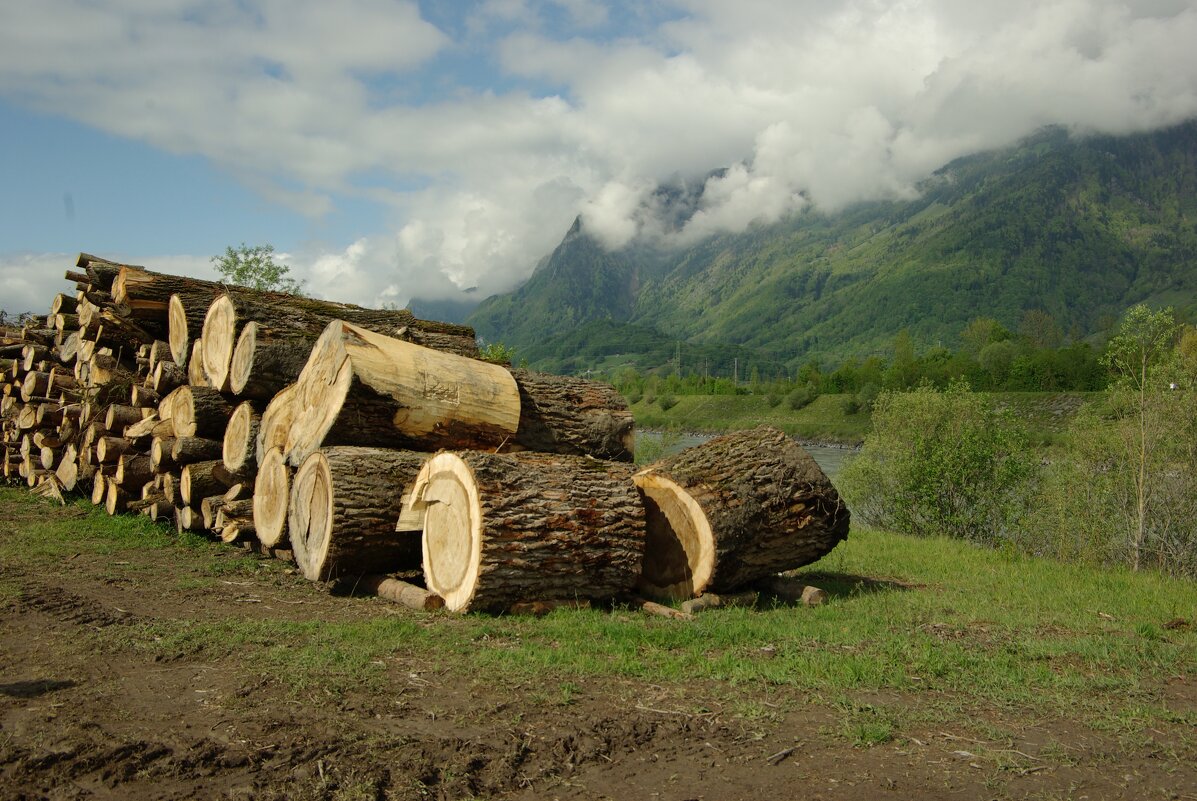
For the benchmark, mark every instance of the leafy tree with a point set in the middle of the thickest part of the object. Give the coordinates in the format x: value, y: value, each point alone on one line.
x: 941, y: 463
x: 256, y: 268
x: 1136, y: 355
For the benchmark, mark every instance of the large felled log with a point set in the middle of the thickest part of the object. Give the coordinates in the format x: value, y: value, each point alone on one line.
x: 734, y: 510
x: 362, y: 388
x: 344, y: 506
x: 505, y: 528
x: 282, y: 317
x: 559, y: 414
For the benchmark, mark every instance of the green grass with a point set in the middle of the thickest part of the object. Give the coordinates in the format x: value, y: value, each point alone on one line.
x: 946, y: 625
x: 1045, y: 414
x: 823, y: 420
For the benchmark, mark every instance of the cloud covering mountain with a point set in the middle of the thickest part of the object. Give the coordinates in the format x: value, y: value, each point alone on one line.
x: 484, y: 132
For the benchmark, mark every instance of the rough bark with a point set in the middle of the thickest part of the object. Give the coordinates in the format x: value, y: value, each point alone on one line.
x: 187, y: 450
x: 733, y: 510
x: 560, y: 414
x: 345, y: 503
x: 505, y: 528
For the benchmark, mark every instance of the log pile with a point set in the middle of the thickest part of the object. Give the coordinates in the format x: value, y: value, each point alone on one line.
x: 362, y: 443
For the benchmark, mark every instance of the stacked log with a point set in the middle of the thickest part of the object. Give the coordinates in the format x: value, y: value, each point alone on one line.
x: 367, y: 442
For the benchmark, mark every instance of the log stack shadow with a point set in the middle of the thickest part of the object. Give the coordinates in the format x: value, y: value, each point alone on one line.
x: 362, y: 443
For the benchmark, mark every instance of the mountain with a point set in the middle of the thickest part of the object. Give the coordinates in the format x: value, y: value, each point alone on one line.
x: 1078, y: 227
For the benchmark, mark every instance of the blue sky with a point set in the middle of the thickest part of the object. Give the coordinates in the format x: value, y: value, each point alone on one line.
x: 393, y: 149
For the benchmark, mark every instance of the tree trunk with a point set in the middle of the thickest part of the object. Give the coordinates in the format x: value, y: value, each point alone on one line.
x: 262, y: 369
x: 275, y: 425
x: 733, y: 510
x: 199, y: 480
x: 505, y: 528
x: 362, y: 388
x: 344, y: 506
x: 559, y: 414
x: 187, y: 450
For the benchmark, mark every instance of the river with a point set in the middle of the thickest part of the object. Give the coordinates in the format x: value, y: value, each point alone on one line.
x: 829, y: 458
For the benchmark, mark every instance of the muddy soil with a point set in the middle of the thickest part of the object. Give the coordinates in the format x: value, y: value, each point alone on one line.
x: 86, y: 713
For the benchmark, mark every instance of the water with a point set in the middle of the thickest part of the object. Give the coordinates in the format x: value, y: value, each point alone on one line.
x: 830, y: 459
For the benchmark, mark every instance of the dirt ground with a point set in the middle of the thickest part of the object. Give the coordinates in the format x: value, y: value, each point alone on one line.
x: 81, y: 720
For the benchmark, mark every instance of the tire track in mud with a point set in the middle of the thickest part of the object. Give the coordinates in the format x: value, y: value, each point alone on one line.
x: 67, y: 607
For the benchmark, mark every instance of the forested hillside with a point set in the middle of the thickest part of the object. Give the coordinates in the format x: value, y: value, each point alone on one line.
x: 1077, y: 227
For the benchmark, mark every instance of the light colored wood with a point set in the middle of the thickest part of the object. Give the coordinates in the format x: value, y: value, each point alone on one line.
x: 401, y: 592
x: 272, y: 493
x: 200, y: 412
x: 362, y: 388
x: 196, y: 375
x: 239, y: 447
x: 276, y: 422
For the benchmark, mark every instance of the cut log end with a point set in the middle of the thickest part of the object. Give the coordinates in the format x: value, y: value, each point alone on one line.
x: 452, y: 546
x: 272, y: 491
x: 679, y: 548
x: 218, y: 336
x: 179, y: 336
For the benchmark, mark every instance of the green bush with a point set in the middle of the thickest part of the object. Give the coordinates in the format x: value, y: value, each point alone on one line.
x: 802, y: 396
x: 666, y: 401
x: 941, y: 463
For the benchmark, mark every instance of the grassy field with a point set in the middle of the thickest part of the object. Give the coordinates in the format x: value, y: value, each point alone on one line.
x: 825, y: 420
x: 955, y: 627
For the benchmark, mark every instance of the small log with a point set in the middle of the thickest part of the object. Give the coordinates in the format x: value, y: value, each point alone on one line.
x: 161, y: 456
x: 133, y: 470
x: 272, y: 493
x: 660, y: 610
x: 198, y: 480
x: 168, y: 376
x: 261, y: 370
x: 187, y: 450
x: 116, y: 498
x: 401, y: 592
x: 239, y: 448
x: 119, y: 416
x: 710, y: 600
x: 196, y: 376
x: 793, y: 590
x: 200, y: 412
x: 110, y: 449
x: 275, y: 425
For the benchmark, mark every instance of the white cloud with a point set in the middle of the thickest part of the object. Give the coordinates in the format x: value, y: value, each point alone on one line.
x: 812, y: 101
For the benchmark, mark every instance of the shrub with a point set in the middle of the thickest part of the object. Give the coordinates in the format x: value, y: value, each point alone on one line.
x: 666, y: 401
x: 941, y: 462
x: 802, y: 396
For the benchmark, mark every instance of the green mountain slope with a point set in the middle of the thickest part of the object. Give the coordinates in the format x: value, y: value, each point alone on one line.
x: 1080, y: 228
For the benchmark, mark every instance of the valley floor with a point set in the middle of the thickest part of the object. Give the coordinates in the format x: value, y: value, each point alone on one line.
x: 134, y: 665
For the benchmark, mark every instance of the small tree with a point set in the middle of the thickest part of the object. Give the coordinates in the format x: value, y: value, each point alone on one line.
x: 256, y: 268
x: 1136, y: 354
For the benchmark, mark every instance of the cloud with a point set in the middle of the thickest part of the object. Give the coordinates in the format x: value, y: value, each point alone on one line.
x: 486, y: 140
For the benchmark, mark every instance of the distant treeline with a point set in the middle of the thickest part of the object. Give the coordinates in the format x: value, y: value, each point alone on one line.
x: 1035, y: 358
